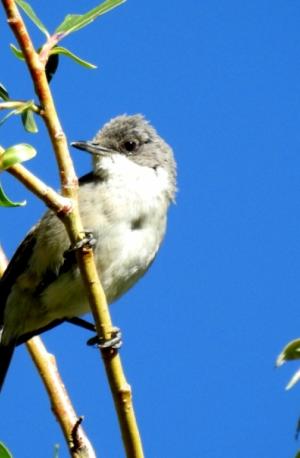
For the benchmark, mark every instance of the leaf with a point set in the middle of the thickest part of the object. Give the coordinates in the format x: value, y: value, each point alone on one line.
x: 16, y: 154
x: 290, y: 352
x: 4, y: 452
x: 74, y: 22
x: 17, y: 52
x: 6, y: 202
x: 29, y: 122
x: 3, y: 93
x: 68, y: 53
x: 20, y: 108
x: 31, y: 14
x: 5, y: 118
x: 295, y: 379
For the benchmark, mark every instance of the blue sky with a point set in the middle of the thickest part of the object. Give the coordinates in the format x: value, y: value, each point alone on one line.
x: 221, y: 83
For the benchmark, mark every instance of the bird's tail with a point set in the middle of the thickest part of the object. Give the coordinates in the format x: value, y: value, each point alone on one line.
x: 6, y: 353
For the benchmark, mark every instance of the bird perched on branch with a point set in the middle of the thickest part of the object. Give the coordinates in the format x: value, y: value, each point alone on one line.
x: 123, y: 203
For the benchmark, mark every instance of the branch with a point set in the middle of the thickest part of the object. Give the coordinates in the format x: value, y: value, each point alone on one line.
x: 78, y: 443
x: 61, y: 205
x: 120, y: 389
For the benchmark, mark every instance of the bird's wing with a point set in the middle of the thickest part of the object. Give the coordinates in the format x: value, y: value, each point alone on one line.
x: 17, y: 265
x: 20, y: 262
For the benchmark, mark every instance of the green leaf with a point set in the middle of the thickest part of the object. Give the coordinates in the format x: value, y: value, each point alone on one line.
x: 68, y: 53
x: 6, y: 202
x: 31, y: 14
x: 295, y: 379
x: 17, y: 53
x: 29, y: 122
x: 16, y: 154
x: 74, y: 22
x: 3, y: 93
x: 290, y: 352
x: 5, y: 118
x: 20, y: 108
x: 4, y: 452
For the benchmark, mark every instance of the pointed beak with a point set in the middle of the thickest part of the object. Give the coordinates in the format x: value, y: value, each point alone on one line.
x: 92, y: 148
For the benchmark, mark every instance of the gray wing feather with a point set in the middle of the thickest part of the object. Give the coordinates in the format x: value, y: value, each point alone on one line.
x: 17, y: 265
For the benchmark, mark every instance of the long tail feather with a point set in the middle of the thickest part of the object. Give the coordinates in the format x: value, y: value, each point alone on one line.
x: 6, y: 353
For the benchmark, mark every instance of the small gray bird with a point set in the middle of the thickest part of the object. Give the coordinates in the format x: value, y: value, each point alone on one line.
x: 123, y: 202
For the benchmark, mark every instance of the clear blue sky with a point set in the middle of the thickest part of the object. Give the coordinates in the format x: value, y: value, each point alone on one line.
x: 220, y: 80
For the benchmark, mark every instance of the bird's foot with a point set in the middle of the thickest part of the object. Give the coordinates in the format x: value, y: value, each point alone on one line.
x: 114, y: 343
x: 88, y: 240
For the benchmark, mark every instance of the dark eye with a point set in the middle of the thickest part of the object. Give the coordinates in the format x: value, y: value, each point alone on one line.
x: 130, y: 146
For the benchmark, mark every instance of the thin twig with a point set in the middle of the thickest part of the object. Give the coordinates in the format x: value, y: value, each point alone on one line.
x: 52, y: 199
x: 120, y: 389
x: 77, y: 441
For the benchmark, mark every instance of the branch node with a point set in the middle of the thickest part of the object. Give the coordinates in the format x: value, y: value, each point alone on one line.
x: 12, y: 20
x: 59, y: 135
x: 66, y: 208
x: 125, y: 393
x: 75, y: 436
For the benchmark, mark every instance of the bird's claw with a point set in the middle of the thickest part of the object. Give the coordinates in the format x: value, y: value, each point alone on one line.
x: 114, y: 343
x: 88, y: 240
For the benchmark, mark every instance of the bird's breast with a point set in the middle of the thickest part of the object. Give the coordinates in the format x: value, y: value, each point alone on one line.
x: 129, y: 223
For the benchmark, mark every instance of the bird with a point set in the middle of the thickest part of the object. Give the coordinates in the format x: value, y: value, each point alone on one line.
x: 123, y: 203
